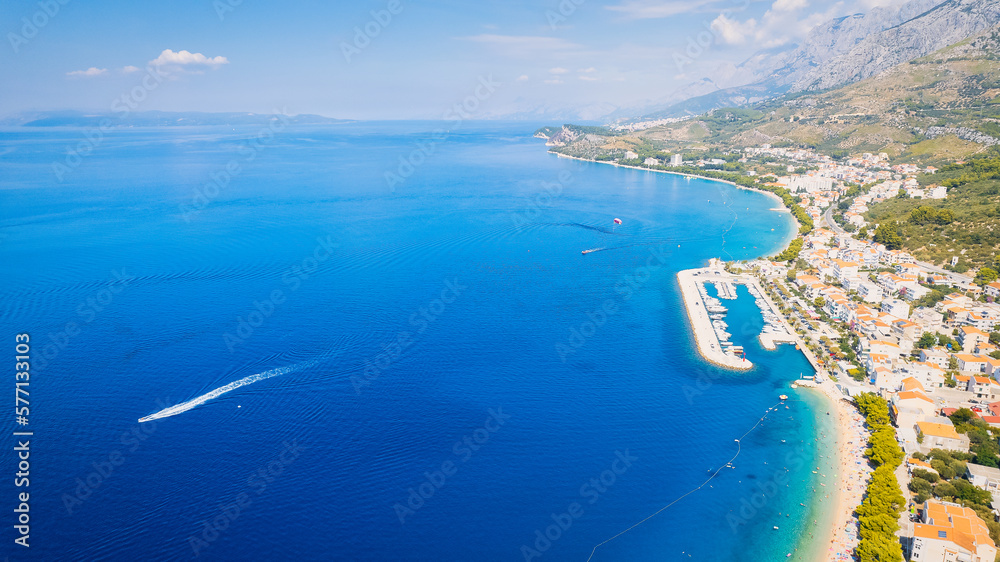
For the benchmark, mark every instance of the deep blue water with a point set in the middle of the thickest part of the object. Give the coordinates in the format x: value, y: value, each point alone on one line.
x: 405, y: 320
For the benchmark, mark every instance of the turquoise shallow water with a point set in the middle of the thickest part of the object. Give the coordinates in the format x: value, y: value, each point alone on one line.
x: 397, y: 326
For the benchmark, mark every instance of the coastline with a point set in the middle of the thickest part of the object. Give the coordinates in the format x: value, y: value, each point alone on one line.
x: 845, y: 481
x: 781, y: 203
x: 839, y: 473
x: 838, y: 539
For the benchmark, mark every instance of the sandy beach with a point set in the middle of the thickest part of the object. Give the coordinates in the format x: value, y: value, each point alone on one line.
x: 839, y: 538
x: 846, y: 471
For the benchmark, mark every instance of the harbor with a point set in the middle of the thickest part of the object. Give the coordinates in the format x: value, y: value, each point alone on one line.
x: 708, y: 315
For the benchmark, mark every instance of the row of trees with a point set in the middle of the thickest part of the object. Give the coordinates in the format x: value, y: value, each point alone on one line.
x: 926, y: 214
x: 978, y: 169
x: 878, y: 514
x: 792, y: 251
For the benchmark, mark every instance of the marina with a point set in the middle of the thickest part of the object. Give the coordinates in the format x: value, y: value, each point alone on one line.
x: 708, y: 314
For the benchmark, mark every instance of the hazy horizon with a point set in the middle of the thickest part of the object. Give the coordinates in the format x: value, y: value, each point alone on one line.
x: 385, y: 59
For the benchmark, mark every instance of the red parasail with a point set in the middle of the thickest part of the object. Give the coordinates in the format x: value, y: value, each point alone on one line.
x: 618, y: 221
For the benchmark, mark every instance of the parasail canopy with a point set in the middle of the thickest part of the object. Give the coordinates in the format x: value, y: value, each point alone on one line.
x: 618, y: 221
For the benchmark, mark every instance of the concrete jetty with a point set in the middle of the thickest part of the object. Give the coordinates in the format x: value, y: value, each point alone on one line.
x: 705, y: 336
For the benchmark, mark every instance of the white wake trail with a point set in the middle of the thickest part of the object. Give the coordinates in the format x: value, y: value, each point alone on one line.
x: 194, y: 402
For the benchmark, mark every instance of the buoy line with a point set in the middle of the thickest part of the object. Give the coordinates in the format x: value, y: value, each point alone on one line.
x: 739, y: 450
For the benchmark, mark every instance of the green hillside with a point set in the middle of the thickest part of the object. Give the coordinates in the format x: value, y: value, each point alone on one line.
x: 969, y: 219
x: 900, y: 112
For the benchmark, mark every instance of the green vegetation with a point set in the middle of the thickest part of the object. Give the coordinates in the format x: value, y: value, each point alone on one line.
x: 969, y: 219
x: 791, y: 252
x: 878, y: 514
x: 887, y: 234
x: 983, y: 442
x: 949, y: 484
x: 926, y: 341
x: 985, y: 276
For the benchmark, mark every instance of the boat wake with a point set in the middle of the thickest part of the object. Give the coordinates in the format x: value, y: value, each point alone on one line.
x: 194, y: 402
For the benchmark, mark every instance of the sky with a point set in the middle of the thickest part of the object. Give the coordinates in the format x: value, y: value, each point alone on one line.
x: 383, y: 59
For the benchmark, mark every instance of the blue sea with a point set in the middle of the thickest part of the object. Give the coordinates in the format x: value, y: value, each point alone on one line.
x: 381, y: 341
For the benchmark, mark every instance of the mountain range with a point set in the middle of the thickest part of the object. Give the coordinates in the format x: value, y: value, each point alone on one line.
x: 839, y: 52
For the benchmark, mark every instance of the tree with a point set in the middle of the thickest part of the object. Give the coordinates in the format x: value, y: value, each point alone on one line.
x: 945, y: 340
x: 887, y: 234
x: 962, y: 416
x: 986, y: 276
x: 945, y: 490
x: 926, y: 341
x: 926, y: 475
x: 952, y: 363
x: 918, y: 484
x: 819, y: 302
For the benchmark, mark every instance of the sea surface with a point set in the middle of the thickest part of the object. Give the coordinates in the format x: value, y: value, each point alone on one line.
x: 381, y: 342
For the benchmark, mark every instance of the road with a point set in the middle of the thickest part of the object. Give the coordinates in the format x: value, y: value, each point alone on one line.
x: 956, y: 278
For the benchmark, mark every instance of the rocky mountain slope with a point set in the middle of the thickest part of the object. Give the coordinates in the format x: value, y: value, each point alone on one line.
x: 938, y: 108
x: 850, y: 49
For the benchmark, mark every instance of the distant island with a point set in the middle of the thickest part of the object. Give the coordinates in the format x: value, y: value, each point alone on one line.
x: 157, y: 119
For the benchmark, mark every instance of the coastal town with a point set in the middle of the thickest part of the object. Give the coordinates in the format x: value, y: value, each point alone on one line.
x: 874, y: 321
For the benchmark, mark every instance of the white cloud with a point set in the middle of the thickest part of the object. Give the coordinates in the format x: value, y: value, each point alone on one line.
x: 130, y: 69
x: 587, y: 70
x: 522, y: 78
x: 654, y: 9
x: 558, y: 70
x: 89, y: 73
x: 554, y: 81
x: 523, y: 45
x: 789, y: 5
x: 186, y: 58
x: 732, y: 31
x: 588, y: 78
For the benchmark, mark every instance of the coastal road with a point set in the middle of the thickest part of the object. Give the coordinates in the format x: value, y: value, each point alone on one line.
x: 955, y: 278
x: 828, y: 217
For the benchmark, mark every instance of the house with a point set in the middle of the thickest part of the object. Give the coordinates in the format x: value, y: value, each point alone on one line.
x: 969, y: 363
x: 882, y: 347
x: 629, y: 155
x: 913, y: 463
x: 984, y: 348
x: 651, y: 162
x: 907, y: 333
x: 870, y: 292
x: 886, y: 379
x: 992, y: 367
x: 937, y: 356
x: 908, y: 270
x: 970, y: 336
x: 984, y: 388
x: 941, y: 436
x: 985, y: 477
x: 949, y: 532
x: 928, y: 375
x: 896, y: 308
x: 875, y: 360
x: 845, y: 269
x: 992, y: 290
